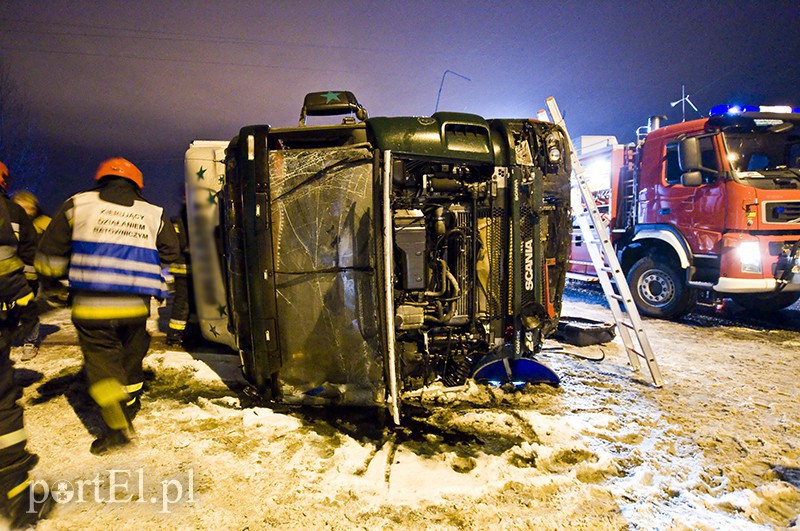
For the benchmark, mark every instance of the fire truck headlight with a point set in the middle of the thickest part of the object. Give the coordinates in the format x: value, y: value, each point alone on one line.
x: 553, y: 148
x: 750, y: 257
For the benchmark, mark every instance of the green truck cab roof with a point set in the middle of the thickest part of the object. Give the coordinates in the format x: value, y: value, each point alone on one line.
x: 445, y: 135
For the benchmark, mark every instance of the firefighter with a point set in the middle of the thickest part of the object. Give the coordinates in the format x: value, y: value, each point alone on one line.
x: 110, y: 243
x: 29, y: 202
x: 17, y: 247
x: 181, y: 269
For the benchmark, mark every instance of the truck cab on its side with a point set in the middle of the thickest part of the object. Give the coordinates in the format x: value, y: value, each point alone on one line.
x: 368, y: 259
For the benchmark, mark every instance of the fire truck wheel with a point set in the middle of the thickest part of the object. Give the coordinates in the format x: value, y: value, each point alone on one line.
x: 766, y: 302
x: 658, y: 288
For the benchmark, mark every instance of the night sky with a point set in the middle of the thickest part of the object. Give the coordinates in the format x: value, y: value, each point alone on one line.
x: 142, y: 79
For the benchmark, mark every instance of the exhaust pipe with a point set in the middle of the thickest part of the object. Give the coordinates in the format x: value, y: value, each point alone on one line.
x: 654, y: 122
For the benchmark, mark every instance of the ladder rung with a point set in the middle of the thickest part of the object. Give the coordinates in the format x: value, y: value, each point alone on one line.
x: 637, y: 353
x: 626, y: 324
x: 617, y: 297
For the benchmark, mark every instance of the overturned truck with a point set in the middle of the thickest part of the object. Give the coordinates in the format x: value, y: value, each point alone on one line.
x: 369, y: 259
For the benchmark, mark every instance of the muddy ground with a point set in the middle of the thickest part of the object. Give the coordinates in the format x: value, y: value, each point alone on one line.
x: 717, y: 447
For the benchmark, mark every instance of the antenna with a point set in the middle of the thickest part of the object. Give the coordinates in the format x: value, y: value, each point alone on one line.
x: 441, y: 84
x: 683, y: 101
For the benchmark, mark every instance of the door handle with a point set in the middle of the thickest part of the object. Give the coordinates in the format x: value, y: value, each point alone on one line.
x: 664, y: 211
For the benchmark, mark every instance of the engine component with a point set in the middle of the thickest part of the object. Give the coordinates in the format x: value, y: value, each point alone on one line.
x: 409, y: 317
x: 409, y: 238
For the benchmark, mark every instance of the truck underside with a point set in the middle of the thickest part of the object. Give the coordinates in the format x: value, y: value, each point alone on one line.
x: 368, y: 260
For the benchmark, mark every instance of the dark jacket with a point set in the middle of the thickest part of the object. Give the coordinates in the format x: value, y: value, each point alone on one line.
x: 17, y: 249
x: 183, y: 265
x: 55, y: 251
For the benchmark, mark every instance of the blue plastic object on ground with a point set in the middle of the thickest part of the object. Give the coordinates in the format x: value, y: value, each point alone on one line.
x: 501, y: 370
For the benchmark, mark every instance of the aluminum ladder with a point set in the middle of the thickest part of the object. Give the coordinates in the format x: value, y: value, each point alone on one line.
x: 604, y: 259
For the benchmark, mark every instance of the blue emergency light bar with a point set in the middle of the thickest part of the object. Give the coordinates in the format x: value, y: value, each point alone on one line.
x: 719, y: 110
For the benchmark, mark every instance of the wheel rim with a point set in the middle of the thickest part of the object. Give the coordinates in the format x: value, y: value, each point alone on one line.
x: 656, y: 287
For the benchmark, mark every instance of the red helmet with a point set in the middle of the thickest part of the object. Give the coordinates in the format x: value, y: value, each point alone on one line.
x: 3, y: 176
x: 121, y: 168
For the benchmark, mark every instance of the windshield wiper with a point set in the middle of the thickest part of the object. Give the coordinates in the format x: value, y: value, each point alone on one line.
x: 795, y: 171
x: 782, y: 168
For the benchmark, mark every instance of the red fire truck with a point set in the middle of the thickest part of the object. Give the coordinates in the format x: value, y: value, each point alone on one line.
x: 702, y: 210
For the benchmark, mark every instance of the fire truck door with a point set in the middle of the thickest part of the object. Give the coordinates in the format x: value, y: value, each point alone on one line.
x: 709, y: 216
x: 674, y: 202
x: 696, y: 211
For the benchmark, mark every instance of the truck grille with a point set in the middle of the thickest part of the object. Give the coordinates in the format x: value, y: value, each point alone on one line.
x: 495, y: 249
x: 784, y: 212
x: 463, y: 270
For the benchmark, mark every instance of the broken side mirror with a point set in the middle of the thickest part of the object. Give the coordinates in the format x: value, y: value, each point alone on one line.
x: 692, y: 178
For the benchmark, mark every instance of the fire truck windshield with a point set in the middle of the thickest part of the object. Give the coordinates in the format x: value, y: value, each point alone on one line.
x: 764, y: 149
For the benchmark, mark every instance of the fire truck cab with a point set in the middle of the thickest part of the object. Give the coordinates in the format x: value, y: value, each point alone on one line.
x: 708, y: 208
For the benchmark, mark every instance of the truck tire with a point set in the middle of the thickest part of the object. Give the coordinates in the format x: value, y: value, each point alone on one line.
x: 766, y: 302
x: 658, y: 288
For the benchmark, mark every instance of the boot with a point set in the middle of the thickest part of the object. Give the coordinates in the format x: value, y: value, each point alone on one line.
x: 18, y: 502
x: 111, y: 396
x: 28, y: 507
x: 131, y: 408
x: 174, y: 338
x: 29, y: 351
x: 109, y: 440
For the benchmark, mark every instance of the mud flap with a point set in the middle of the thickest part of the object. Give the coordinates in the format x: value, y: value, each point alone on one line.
x: 500, y: 369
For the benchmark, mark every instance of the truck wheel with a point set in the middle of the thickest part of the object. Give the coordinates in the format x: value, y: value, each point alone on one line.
x: 658, y: 288
x: 766, y: 302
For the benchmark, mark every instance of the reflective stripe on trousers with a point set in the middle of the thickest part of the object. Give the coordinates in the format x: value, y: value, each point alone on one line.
x: 15, y: 437
x: 175, y: 324
x: 109, y: 395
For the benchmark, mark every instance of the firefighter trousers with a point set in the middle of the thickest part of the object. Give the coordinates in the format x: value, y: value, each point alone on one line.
x: 181, y: 307
x: 113, y: 352
x: 15, y: 460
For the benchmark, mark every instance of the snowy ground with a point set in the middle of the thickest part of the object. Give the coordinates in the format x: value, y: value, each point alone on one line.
x: 718, y: 447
